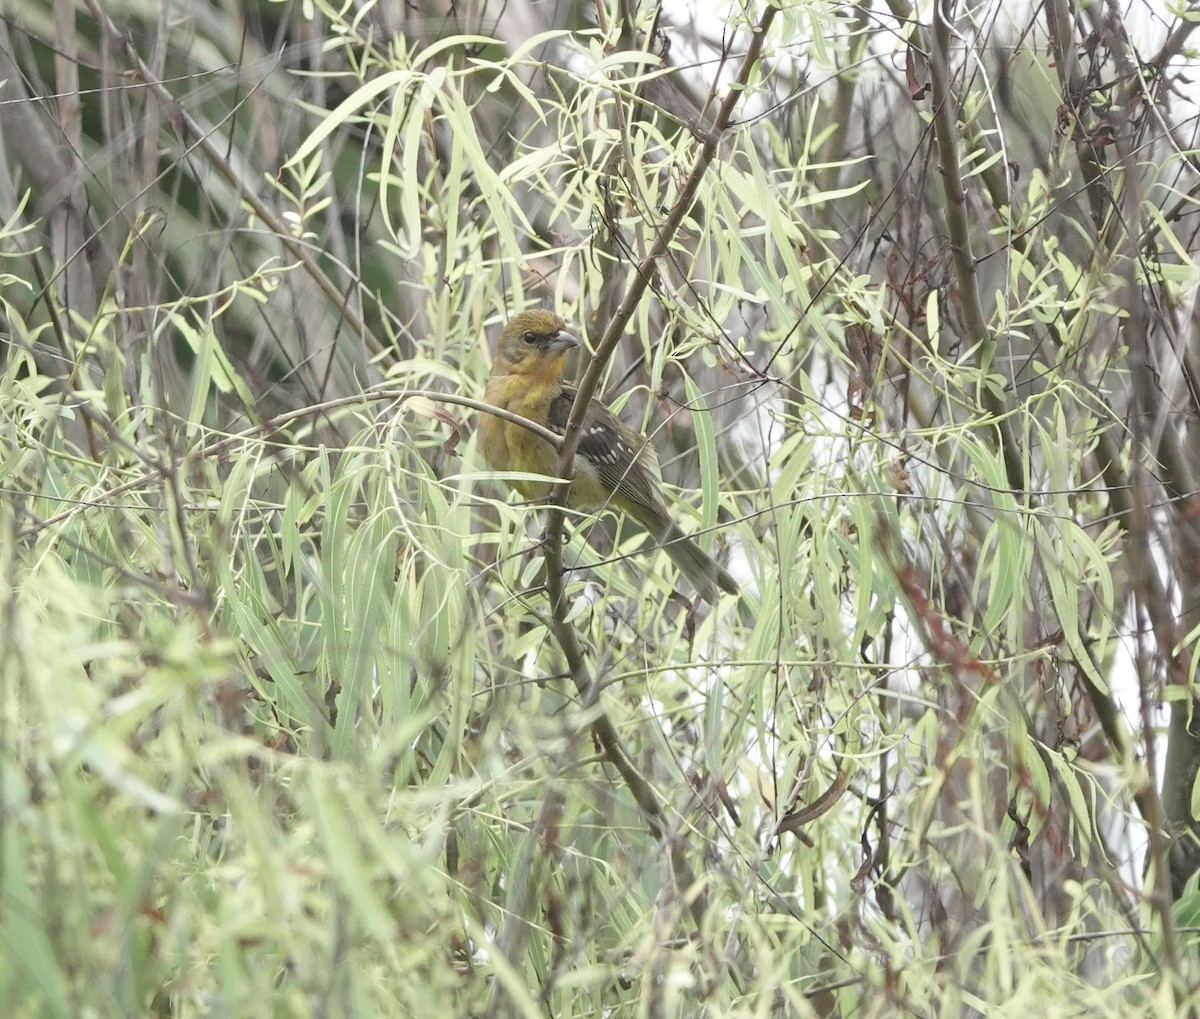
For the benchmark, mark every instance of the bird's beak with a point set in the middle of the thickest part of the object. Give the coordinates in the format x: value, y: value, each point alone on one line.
x: 563, y: 340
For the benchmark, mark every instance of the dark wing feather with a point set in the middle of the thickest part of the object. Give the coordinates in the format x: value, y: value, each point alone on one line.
x: 625, y: 462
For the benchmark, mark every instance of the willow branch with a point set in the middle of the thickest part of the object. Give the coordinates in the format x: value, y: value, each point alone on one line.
x: 195, y: 136
x: 263, y: 428
x: 945, y: 124
x: 602, y: 727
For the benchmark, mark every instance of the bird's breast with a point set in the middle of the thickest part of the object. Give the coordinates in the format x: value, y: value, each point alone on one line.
x: 507, y: 446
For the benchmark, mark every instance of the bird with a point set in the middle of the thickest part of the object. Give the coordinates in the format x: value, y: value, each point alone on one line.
x: 615, y: 467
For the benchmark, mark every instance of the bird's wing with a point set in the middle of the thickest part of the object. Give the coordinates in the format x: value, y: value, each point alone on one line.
x: 626, y: 463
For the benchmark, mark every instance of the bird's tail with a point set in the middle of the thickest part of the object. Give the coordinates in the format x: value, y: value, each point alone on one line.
x: 704, y: 573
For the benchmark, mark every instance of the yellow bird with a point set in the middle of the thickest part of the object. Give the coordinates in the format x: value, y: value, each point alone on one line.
x: 615, y: 467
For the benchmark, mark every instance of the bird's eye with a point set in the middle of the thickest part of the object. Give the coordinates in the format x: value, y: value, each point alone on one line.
x: 531, y: 337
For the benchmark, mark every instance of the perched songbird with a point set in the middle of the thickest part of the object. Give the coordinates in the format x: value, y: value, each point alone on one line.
x: 614, y: 466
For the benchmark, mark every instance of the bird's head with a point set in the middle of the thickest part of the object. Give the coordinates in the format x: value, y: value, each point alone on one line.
x: 535, y: 342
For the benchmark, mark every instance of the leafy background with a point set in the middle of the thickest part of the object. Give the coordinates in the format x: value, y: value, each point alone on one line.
x: 300, y: 716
